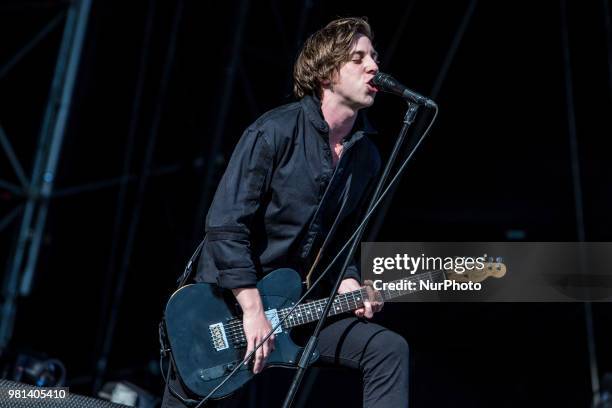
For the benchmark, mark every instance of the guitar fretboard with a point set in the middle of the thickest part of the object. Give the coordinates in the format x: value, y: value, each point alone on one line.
x: 345, y: 302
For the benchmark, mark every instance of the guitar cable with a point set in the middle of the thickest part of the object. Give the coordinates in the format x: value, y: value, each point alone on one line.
x: 247, y: 358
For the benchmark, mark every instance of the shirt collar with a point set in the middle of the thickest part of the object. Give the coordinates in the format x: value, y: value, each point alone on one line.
x: 312, y: 107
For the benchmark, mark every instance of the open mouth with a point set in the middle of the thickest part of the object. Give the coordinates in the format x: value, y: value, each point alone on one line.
x: 371, y: 87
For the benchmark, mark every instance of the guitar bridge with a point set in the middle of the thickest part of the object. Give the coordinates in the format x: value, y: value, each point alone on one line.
x: 218, y: 337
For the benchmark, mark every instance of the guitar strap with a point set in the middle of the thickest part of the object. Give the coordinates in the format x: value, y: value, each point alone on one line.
x: 187, y: 272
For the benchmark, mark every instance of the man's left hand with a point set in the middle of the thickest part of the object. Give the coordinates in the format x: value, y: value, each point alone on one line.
x: 371, y: 305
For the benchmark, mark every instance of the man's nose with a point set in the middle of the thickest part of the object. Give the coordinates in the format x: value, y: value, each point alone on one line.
x: 372, y: 66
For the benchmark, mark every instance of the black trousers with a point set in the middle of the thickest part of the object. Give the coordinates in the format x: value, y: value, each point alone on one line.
x: 380, y: 354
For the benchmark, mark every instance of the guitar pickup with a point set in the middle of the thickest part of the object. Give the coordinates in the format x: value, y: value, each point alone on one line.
x: 272, y: 316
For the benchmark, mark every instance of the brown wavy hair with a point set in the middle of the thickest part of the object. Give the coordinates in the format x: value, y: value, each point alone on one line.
x: 324, y: 52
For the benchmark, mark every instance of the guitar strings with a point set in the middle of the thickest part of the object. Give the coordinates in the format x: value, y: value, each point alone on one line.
x: 311, y: 310
x: 235, y: 326
x: 235, y: 330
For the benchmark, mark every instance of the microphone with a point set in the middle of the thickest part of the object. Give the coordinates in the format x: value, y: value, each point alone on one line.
x: 387, y: 83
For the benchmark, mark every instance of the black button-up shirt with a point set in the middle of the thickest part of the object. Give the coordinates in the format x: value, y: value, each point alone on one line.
x: 281, y: 194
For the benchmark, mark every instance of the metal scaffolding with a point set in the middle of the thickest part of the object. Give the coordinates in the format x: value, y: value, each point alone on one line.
x: 578, y: 193
x: 37, y: 190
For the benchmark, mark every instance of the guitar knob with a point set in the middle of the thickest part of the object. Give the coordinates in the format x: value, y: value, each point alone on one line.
x: 230, y: 366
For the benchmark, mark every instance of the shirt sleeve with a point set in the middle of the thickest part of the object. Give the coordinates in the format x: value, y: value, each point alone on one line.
x: 231, y: 215
x: 353, y: 271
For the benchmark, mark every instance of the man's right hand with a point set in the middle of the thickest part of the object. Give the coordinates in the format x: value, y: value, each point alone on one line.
x: 256, y: 325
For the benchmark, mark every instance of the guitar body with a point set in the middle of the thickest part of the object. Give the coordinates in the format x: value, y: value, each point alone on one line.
x: 202, y: 350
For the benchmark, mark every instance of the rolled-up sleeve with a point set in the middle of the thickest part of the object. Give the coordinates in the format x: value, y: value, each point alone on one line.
x: 230, y: 218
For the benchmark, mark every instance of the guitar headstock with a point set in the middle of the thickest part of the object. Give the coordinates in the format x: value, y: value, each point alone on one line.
x: 495, y: 269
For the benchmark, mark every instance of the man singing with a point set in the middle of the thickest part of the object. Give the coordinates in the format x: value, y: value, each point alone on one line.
x: 299, y: 172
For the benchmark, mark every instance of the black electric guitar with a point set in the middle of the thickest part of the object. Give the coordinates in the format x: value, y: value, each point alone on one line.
x: 204, y: 327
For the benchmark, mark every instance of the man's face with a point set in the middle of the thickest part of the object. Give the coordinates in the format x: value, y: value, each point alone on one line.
x: 351, y: 83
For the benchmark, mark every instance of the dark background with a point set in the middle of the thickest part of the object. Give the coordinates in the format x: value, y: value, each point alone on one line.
x: 495, y: 167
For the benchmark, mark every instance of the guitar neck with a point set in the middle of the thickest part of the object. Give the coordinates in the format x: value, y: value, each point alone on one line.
x: 346, y: 302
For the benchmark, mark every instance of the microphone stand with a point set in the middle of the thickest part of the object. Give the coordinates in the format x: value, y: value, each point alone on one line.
x: 305, y: 358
